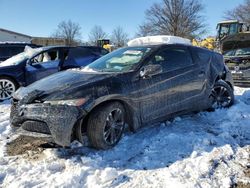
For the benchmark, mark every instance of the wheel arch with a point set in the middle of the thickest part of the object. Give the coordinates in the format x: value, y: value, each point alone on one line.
x: 224, y: 78
x: 131, y: 116
x: 11, y: 78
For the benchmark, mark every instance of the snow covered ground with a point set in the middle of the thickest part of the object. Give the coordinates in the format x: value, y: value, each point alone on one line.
x: 209, y: 149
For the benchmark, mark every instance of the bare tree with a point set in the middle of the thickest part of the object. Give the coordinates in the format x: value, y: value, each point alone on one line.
x: 174, y: 17
x: 96, y: 33
x: 241, y: 12
x: 119, y: 37
x: 69, y: 31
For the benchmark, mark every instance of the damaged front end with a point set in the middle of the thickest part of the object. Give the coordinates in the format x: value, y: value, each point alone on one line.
x: 236, y: 50
x: 48, y: 118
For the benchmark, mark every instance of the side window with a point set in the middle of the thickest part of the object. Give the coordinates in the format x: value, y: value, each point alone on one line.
x: 78, y: 57
x: 48, y: 56
x: 173, y: 58
x: 203, y: 55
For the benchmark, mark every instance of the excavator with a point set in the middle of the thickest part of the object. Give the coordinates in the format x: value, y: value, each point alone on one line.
x: 233, y: 41
x: 230, y: 34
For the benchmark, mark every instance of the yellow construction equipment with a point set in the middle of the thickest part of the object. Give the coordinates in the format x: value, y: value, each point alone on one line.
x: 208, y: 43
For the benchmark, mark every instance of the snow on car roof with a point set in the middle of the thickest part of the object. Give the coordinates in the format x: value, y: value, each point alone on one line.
x: 159, y: 39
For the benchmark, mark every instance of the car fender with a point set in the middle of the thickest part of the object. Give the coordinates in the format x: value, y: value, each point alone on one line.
x: 132, y: 110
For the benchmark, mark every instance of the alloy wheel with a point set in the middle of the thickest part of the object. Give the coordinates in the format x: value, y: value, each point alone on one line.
x: 7, y: 88
x: 114, y: 126
x: 221, y: 97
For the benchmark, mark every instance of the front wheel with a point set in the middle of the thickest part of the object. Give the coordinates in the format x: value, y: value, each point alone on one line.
x: 106, y: 125
x: 222, y: 95
x: 7, y: 88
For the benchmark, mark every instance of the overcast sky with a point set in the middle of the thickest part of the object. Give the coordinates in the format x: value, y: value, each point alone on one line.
x: 41, y: 17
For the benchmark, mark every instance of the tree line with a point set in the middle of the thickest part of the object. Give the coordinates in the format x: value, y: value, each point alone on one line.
x: 71, y: 32
x: 182, y: 18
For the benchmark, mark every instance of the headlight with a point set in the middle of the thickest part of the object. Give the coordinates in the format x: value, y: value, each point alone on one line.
x: 72, y: 102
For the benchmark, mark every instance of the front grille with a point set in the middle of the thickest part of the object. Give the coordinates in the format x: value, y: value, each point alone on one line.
x: 36, y: 126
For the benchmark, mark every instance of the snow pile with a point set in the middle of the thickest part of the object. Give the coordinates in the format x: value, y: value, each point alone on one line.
x: 159, y: 39
x: 209, y: 149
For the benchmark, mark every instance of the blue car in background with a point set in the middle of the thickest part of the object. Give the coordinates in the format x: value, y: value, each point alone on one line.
x: 35, y: 64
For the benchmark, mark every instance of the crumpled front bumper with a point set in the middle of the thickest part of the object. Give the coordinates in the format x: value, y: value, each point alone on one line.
x: 57, y: 120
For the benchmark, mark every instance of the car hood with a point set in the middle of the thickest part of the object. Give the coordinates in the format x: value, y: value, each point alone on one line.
x: 63, y: 85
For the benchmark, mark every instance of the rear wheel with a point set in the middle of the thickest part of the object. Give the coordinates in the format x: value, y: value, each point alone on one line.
x: 7, y: 88
x: 106, y: 125
x: 222, y: 95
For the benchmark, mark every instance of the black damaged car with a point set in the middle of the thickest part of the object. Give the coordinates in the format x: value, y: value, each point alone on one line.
x: 137, y: 85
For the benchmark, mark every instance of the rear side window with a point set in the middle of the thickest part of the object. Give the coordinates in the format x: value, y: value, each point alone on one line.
x: 203, y: 56
x: 77, y: 57
x: 79, y: 52
x: 173, y: 58
x: 98, y: 50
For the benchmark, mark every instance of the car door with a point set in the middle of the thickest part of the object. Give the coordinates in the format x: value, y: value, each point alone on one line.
x: 42, y: 65
x: 176, y: 88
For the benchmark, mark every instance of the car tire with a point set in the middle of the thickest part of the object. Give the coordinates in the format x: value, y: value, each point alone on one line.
x: 8, y: 86
x: 106, y: 125
x: 222, y: 95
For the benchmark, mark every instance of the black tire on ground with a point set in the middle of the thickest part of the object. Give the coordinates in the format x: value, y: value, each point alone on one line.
x: 106, y: 125
x: 12, y: 82
x: 222, y: 95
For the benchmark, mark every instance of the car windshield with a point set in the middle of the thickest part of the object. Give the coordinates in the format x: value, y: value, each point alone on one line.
x: 238, y: 52
x: 15, y: 60
x: 121, y: 60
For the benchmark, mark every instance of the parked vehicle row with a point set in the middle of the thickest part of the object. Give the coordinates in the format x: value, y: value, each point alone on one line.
x: 9, y: 49
x: 153, y: 79
x: 35, y: 64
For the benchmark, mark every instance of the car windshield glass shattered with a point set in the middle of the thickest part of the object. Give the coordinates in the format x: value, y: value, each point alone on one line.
x: 238, y: 52
x: 15, y: 60
x: 121, y: 60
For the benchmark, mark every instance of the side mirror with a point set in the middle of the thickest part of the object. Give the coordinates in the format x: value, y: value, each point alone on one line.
x: 150, y: 70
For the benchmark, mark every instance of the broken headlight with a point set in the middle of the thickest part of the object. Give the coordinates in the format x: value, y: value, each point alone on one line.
x: 71, y: 102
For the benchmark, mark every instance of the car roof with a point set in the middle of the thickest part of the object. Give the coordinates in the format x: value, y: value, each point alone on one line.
x: 62, y: 46
x: 17, y: 44
x: 159, y: 45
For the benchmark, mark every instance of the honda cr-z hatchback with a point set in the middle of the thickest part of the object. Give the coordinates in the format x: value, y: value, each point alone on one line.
x: 153, y: 79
